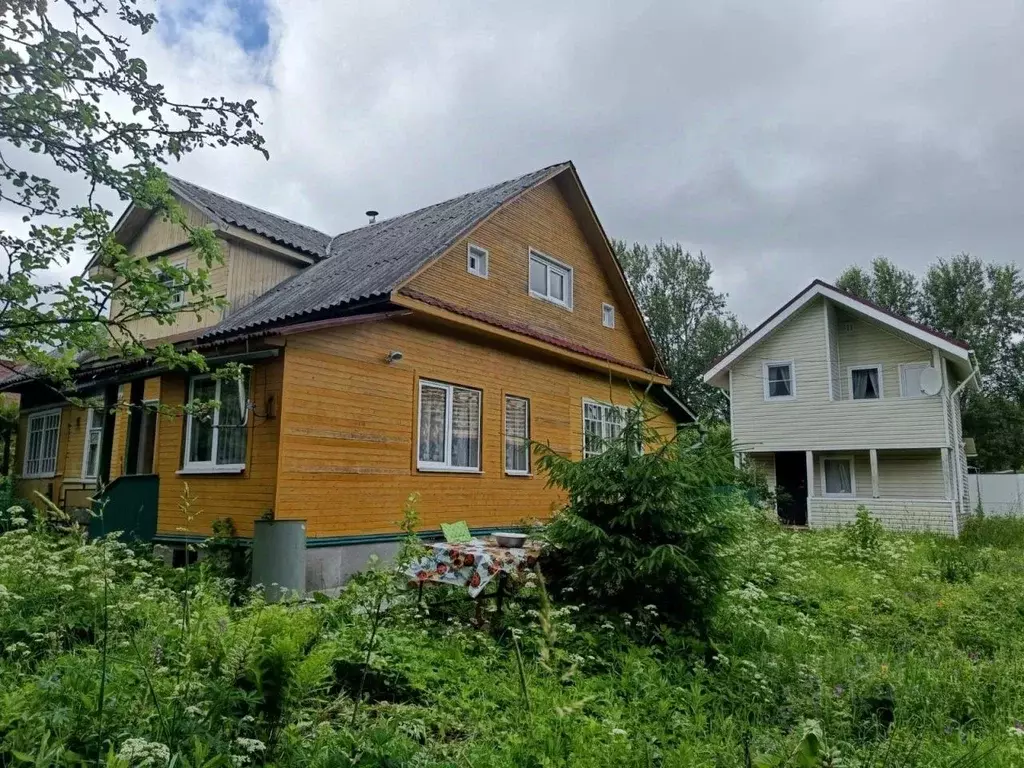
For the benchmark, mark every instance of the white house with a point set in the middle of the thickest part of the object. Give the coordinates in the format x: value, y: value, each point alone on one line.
x: 841, y: 403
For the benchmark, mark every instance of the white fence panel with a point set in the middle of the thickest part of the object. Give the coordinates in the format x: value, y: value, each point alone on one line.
x: 999, y: 494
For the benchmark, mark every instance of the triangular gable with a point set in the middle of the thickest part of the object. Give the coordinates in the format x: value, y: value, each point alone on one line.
x: 952, y: 348
x: 427, y: 277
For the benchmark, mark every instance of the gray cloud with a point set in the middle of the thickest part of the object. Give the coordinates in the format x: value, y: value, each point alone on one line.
x: 786, y: 139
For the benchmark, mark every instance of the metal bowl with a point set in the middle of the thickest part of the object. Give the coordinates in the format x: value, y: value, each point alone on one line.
x: 509, y: 540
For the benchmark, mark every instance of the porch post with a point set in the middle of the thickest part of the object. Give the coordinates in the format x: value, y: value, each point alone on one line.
x: 810, y: 481
x: 874, y: 473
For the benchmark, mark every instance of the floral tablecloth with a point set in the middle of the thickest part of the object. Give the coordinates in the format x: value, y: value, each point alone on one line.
x: 471, y: 565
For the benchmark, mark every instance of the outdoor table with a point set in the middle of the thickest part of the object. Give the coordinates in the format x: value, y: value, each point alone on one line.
x: 472, y: 565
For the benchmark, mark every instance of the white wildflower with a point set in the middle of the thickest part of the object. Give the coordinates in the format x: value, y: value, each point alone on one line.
x: 251, y: 746
x: 140, y: 753
x: 618, y: 732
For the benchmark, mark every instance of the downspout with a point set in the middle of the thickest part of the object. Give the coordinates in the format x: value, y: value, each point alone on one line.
x: 975, y: 371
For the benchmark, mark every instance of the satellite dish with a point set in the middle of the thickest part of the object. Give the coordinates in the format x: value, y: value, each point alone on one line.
x: 931, y: 381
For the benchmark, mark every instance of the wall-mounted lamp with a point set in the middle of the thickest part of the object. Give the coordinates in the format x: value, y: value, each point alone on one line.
x: 394, y: 356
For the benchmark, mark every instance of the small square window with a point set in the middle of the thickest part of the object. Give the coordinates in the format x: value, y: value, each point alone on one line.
x: 476, y: 261
x: 178, y: 297
x: 779, y: 382
x: 607, y: 315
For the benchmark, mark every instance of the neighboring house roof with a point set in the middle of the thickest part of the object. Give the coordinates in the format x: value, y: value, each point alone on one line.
x: 8, y: 370
x: 270, y: 225
x: 953, y: 348
x: 374, y: 260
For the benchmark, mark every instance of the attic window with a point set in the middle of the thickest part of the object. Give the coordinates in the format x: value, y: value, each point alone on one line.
x: 607, y: 315
x: 476, y: 261
x: 169, y: 281
x: 550, y: 280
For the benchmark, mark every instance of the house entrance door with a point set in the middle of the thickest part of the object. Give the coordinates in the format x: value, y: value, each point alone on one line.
x: 791, y: 487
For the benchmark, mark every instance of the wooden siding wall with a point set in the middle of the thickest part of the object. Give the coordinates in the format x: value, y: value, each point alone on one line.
x: 349, y: 424
x: 811, y: 421
x: 252, y: 273
x: 244, y: 497
x: 245, y: 273
x: 540, y: 219
x: 866, y: 344
x: 901, y: 475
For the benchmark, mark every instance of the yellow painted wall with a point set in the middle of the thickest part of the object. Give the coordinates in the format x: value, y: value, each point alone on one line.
x: 540, y: 219
x: 69, y: 456
x: 349, y: 420
x: 244, y: 497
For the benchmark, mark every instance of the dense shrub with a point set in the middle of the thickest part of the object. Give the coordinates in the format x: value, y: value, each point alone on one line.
x: 646, y: 531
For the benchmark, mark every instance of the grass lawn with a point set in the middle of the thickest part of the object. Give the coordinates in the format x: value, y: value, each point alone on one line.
x: 848, y: 648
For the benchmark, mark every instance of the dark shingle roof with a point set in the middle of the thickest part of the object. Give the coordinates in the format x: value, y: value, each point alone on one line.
x: 270, y: 225
x: 374, y: 260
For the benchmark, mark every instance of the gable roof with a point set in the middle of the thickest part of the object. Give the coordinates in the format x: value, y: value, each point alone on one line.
x: 372, y: 261
x: 952, y: 348
x: 270, y: 225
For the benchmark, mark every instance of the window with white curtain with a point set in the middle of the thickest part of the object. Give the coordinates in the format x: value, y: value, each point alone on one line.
x: 602, y: 423
x: 215, y: 440
x: 517, y: 435
x: 449, y: 427
x: 866, y: 382
x: 93, y: 438
x: 837, y: 475
x: 779, y: 381
x: 41, y: 438
x: 550, y: 280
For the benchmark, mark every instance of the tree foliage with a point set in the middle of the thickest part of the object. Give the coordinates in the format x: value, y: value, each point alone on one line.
x: 82, y: 126
x: 646, y: 530
x: 983, y: 305
x: 687, y: 317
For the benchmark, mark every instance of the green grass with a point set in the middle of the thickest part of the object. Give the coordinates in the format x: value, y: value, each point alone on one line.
x: 1002, y: 532
x: 829, y: 649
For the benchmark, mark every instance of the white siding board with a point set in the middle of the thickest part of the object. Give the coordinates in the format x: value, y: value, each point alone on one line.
x: 866, y: 344
x: 894, y: 514
x: 811, y: 421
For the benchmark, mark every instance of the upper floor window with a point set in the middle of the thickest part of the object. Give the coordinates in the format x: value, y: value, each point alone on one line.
x: 517, y: 435
x: 41, y: 438
x: 779, y: 380
x: 550, y: 280
x: 215, y: 438
x: 607, y: 315
x: 476, y: 260
x: 866, y: 382
x: 168, y: 280
x: 93, y: 437
x: 449, y: 422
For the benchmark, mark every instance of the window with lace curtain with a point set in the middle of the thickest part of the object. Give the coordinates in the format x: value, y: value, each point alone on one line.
x: 41, y: 438
x: 602, y: 423
x: 215, y: 440
x: 517, y: 435
x: 449, y: 427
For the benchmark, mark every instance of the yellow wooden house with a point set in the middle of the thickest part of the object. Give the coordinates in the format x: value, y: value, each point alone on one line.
x: 420, y: 353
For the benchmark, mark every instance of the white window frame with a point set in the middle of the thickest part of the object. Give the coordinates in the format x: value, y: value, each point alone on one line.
x: 210, y: 466
x: 607, y: 315
x: 483, y: 258
x: 92, y: 417
x: 905, y: 366
x: 623, y: 414
x: 853, y: 477
x: 446, y: 465
x: 529, y: 460
x: 792, y: 380
x: 179, y: 296
x: 865, y: 367
x: 550, y: 264
x: 40, y: 415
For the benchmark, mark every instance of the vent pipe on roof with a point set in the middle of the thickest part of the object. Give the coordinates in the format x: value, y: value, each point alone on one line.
x: 373, y: 216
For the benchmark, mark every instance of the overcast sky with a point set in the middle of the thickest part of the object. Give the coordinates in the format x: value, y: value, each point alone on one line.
x: 784, y: 139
